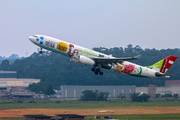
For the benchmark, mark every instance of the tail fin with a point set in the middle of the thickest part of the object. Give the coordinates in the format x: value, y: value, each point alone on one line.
x: 163, y: 65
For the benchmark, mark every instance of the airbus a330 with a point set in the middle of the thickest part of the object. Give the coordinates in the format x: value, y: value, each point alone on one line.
x: 99, y: 61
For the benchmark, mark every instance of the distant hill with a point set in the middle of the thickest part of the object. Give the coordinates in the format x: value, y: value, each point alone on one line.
x: 2, y: 58
x: 58, y: 69
x: 11, y: 58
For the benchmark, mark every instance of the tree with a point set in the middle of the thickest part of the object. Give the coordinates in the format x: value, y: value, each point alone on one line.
x: 49, y: 89
x: 102, y: 96
x: 122, y: 96
x: 42, y: 88
x: 34, y: 87
x: 4, y: 65
x: 136, y: 97
x: 89, y: 95
x: 144, y: 97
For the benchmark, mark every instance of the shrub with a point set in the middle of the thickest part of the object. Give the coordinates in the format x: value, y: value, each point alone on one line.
x: 89, y: 95
x: 58, y: 101
x: 32, y: 101
x: 20, y: 101
x: 136, y: 97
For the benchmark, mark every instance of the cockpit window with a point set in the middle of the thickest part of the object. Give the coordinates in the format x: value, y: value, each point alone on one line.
x: 35, y: 36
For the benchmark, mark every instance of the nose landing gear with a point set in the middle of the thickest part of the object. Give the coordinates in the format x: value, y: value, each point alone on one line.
x: 40, y: 50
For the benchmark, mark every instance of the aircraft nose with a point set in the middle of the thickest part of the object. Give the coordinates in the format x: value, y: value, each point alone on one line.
x: 31, y: 38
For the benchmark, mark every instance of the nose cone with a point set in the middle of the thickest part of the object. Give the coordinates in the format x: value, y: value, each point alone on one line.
x: 31, y: 38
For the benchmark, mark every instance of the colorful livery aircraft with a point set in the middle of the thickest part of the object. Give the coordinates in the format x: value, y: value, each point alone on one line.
x: 84, y: 56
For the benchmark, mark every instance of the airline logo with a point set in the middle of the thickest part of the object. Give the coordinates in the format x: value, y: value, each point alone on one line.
x: 163, y: 65
x: 171, y: 62
x: 40, y: 40
x: 167, y: 63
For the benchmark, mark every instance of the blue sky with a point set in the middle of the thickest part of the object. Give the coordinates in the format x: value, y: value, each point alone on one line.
x: 89, y: 23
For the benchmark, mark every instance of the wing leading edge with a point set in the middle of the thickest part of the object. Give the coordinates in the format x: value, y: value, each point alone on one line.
x: 113, y: 60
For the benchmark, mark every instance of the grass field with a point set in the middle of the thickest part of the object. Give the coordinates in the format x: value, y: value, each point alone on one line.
x: 86, y: 104
x: 117, y: 105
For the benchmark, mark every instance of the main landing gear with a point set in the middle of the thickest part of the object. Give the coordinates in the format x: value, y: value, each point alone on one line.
x: 97, y: 70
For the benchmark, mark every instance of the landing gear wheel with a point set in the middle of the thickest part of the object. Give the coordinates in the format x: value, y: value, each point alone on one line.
x: 97, y: 70
x: 93, y: 69
x: 96, y: 73
x: 101, y: 73
x: 40, y: 52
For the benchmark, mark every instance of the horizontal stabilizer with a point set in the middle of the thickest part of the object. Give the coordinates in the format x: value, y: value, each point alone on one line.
x: 157, y: 74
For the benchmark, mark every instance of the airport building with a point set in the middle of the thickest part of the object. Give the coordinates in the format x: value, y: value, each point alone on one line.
x: 14, y: 82
x: 75, y: 91
x: 171, y: 87
x: 170, y: 83
x: 9, y: 79
x: 8, y: 74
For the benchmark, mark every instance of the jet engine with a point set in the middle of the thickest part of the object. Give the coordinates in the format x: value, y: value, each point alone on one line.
x: 83, y: 60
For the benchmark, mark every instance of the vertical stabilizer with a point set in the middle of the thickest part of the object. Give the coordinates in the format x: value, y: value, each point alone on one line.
x: 163, y: 65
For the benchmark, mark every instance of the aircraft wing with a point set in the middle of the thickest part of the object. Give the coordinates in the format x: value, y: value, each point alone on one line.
x: 113, y: 60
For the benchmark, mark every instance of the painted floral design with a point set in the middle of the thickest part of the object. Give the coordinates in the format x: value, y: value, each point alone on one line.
x: 62, y: 46
x: 128, y: 68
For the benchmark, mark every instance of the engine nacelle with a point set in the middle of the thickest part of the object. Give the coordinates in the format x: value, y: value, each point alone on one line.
x: 83, y: 60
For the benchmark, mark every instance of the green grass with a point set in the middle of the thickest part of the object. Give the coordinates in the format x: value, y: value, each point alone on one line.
x: 86, y: 104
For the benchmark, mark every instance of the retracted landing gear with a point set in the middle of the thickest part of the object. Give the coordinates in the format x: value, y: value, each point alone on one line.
x: 97, y: 70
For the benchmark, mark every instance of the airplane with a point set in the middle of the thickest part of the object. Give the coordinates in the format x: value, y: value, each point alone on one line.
x: 99, y: 61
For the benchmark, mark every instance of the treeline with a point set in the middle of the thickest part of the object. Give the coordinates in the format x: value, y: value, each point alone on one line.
x: 42, y: 88
x: 89, y: 95
x: 57, y: 69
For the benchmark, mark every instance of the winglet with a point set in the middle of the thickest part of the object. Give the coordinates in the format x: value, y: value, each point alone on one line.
x: 137, y: 57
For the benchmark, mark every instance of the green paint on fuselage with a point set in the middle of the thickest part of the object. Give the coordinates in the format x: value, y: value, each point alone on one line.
x: 140, y: 71
x: 87, y: 52
x: 101, y: 55
x: 106, y: 67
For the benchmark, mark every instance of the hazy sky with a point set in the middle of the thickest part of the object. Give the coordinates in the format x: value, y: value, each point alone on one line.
x: 89, y: 23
